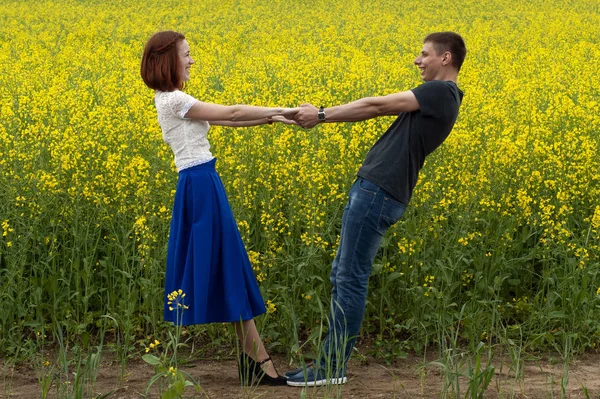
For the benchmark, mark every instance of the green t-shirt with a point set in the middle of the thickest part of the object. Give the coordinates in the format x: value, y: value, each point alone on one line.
x: 395, y: 160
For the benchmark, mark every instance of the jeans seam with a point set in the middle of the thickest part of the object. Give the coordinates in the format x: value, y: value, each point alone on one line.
x: 344, y: 300
x: 355, y: 246
x: 381, y: 215
x: 391, y: 202
x: 362, y: 224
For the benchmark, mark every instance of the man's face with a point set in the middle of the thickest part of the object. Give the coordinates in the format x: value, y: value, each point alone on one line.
x: 430, y: 62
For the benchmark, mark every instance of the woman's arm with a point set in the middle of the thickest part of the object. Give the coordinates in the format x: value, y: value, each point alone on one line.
x: 236, y: 113
x: 254, y: 122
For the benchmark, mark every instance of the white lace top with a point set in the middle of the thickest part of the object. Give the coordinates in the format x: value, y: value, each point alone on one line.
x: 187, y: 137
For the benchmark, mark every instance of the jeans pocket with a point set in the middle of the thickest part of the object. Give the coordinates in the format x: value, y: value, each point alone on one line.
x: 391, y: 212
x: 367, y: 186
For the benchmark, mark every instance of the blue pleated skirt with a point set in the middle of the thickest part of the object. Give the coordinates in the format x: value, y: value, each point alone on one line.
x: 206, y: 257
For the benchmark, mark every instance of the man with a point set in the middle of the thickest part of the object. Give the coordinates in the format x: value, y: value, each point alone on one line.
x: 383, y: 188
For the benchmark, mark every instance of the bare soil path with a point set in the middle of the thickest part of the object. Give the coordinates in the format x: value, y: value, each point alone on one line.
x: 406, y: 378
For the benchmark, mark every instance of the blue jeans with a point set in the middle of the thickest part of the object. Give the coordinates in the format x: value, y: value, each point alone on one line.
x: 370, y: 211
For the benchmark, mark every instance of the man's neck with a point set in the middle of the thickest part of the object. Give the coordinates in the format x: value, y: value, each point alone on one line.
x: 447, y: 75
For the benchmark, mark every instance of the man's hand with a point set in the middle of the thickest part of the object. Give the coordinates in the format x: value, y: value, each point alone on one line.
x: 307, y: 117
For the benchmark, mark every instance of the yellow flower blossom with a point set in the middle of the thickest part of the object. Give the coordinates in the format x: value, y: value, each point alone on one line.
x: 81, y: 150
x: 271, y: 308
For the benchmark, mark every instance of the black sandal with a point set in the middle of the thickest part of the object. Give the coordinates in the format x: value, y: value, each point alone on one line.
x: 251, y: 372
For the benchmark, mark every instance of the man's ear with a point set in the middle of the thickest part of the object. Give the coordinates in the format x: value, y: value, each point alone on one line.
x: 447, y: 58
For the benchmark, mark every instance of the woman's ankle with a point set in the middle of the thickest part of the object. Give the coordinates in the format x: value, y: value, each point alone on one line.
x: 268, y: 367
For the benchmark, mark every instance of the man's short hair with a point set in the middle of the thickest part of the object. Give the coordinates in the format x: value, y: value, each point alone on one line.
x: 449, y: 41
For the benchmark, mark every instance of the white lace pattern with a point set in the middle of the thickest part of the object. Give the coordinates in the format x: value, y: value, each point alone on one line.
x: 187, y: 137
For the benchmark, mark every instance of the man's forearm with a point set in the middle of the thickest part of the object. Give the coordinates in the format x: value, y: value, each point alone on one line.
x: 354, y: 111
x: 359, y: 110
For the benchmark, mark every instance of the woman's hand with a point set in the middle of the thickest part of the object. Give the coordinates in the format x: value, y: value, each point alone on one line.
x: 289, y: 113
x: 283, y: 119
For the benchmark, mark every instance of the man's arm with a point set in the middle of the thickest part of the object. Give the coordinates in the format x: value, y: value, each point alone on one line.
x: 360, y: 110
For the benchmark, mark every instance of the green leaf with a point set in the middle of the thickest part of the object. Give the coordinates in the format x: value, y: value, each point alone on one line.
x: 151, y: 359
x: 393, y: 276
x: 556, y: 315
x: 123, y: 272
x: 174, y: 391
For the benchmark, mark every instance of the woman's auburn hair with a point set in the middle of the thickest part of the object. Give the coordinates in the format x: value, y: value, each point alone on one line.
x: 160, y: 62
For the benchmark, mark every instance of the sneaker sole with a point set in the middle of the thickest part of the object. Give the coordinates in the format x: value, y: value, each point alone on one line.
x: 318, y: 383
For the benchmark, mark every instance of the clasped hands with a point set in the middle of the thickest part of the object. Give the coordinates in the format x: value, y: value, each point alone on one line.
x: 306, y: 115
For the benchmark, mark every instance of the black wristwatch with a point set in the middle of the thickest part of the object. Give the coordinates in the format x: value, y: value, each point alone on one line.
x: 321, y: 114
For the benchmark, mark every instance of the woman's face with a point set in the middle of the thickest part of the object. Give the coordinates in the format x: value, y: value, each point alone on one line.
x: 185, y: 60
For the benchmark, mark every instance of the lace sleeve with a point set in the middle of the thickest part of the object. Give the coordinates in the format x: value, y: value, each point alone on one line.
x: 179, y: 103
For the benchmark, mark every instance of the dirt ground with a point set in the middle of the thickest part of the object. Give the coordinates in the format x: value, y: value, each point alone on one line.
x: 406, y: 378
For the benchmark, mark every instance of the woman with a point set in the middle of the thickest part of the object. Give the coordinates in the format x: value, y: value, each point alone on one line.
x: 206, y: 257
